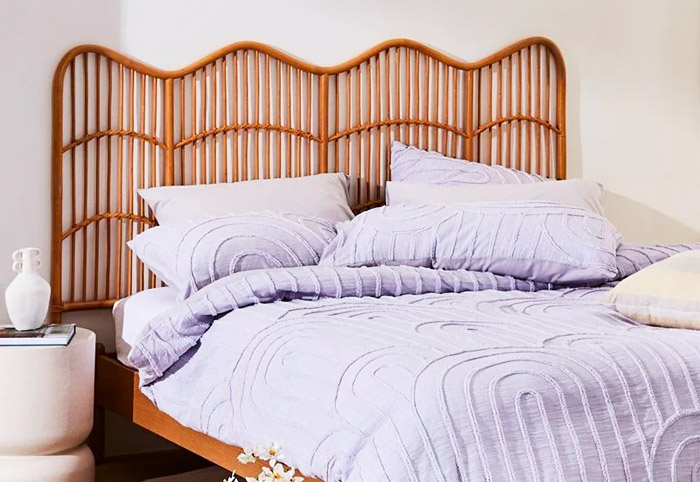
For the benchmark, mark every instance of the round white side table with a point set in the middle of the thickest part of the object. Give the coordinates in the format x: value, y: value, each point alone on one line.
x: 46, y: 411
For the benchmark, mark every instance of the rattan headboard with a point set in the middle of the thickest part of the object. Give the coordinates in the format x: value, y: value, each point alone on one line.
x: 250, y: 111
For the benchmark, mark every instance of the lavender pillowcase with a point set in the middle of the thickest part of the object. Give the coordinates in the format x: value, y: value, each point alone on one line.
x: 410, y: 164
x: 545, y: 242
x: 191, y: 255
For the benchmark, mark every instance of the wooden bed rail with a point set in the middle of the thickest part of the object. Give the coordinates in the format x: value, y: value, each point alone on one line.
x: 250, y: 111
x: 117, y: 389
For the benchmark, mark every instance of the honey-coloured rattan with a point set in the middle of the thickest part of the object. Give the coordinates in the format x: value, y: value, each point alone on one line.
x: 250, y: 111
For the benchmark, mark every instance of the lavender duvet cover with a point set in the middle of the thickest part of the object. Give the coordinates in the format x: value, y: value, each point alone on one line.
x: 402, y: 374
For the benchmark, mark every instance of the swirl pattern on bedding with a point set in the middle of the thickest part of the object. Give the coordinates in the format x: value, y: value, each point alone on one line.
x: 445, y: 386
x: 538, y: 241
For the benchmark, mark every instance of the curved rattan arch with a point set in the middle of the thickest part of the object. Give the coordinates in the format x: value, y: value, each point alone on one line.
x: 333, y: 118
x: 302, y: 64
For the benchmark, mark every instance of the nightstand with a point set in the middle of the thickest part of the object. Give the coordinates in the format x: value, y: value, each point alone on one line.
x: 46, y: 411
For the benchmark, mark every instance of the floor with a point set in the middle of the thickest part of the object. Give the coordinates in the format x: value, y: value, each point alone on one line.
x: 153, y: 467
x: 213, y: 474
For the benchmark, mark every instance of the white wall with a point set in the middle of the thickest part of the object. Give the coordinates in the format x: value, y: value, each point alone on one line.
x: 633, y: 65
x: 34, y: 35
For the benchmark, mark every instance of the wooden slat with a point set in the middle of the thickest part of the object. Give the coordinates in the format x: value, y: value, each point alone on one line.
x: 528, y: 109
x: 377, y: 110
x: 84, y: 168
x: 96, y: 179
x: 256, y: 110
x: 130, y: 185
x: 120, y: 181
x: 358, y: 136
x: 323, y: 124
x: 224, y: 120
x: 278, y: 110
x: 547, y: 117
x: 537, y: 113
x: 234, y: 109
x: 468, y: 116
x: 499, y: 113
x: 297, y: 123
x: 203, y: 104
x: 288, y: 119
x: 267, y: 173
x: 108, y: 194
x: 141, y: 204
x: 246, y: 113
x: 509, y: 113
x: 519, y: 110
x: 213, y: 140
x: 193, y: 127
x: 153, y: 159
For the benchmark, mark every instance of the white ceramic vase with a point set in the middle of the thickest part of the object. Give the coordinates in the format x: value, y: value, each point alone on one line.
x: 27, y: 296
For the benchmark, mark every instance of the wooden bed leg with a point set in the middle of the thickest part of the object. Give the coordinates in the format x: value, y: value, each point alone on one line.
x: 96, y: 441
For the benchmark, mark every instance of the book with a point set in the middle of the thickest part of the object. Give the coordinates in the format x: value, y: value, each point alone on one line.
x: 49, y: 335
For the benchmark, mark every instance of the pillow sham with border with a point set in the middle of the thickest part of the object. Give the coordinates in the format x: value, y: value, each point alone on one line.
x: 535, y: 241
x: 323, y: 196
x: 190, y: 255
x: 410, y: 164
x: 580, y: 193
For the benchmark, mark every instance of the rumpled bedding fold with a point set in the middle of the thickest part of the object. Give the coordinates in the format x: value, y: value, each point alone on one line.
x: 400, y: 374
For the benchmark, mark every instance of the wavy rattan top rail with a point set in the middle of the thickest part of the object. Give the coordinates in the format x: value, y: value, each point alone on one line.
x: 250, y: 111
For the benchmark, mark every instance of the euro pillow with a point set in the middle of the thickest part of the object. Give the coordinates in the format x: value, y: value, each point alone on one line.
x: 535, y: 241
x: 191, y: 255
x: 410, y: 164
x: 580, y: 193
x: 666, y: 293
x: 322, y: 195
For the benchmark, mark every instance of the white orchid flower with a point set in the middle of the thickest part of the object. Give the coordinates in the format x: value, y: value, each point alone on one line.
x: 247, y: 457
x: 277, y: 474
x: 231, y: 478
x: 269, y: 452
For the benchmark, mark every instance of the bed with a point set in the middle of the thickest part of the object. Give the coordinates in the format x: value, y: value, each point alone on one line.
x: 392, y: 395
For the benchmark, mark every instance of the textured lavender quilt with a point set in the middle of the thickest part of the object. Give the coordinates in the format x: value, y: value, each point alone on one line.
x: 412, y: 374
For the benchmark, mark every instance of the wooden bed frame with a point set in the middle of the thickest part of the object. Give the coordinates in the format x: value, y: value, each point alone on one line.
x: 250, y: 111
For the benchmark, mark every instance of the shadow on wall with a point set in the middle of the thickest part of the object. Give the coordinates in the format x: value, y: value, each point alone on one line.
x: 642, y: 224
x: 574, y: 148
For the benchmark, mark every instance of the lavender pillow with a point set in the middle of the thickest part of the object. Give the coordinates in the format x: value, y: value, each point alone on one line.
x: 536, y: 241
x: 191, y: 255
x: 410, y: 164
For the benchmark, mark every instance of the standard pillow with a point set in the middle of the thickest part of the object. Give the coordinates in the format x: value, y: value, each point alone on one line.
x: 190, y: 255
x: 535, y: 241
x: 410, y: 164
x: 580, y: 193
x: 322, y: 195
x: 664, y: 294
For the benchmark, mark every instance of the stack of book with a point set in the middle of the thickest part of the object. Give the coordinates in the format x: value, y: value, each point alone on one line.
x: 50, y: 335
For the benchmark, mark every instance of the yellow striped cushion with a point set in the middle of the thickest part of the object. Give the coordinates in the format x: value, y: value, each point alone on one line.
x: 663, y: 294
